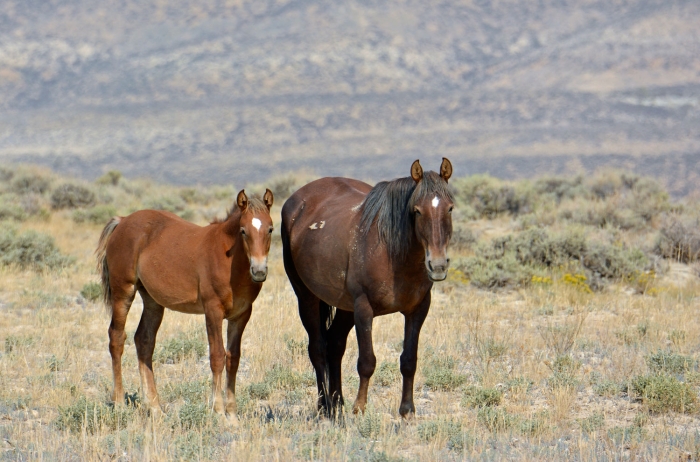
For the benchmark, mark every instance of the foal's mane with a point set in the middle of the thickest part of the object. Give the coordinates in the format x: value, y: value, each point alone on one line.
x: 390, y: 205
x: 255, y: 205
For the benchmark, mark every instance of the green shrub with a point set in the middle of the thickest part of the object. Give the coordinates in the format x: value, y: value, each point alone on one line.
x: 171, y: 203
x: 613, y: 262
x: 195, y: 391
x: 71, y: 196
x: 110, y: 178
x: 27, y: 182
x: 439, y: 373
x: 667, y: 362
x: 31, y: 250
x: 561, y: 188
x: 11, y: 210
x: 6, y: 174
x: 536, y: 425
x: 92, y: 291
x: 387, y: 374
x: 490, y: 197
x: 296, y: 347
x: 477, y: 397
x: 17, y: 342
x: 99, y: 214
x: 607, y: 388
x: 564, y: 371
x: 493, y: 273
x: 627, y: 435
x: 195, y: 415
x: 679, y: 239
x: 182, y: 346
x: 369, y: 423
x: 282, y: 377
x: 261, y: 390
x: 428, y: 431
x: 663, y: 393
x: 93, y: 416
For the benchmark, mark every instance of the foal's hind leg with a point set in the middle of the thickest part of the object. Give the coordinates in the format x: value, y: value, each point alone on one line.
x: 233, y: 355
x: 145, y: 340
x: 122, y: 297
x: 337, y: 341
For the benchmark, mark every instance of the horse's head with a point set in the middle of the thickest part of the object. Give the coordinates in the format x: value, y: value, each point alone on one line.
x: 256, y: 232
x: 431, y: 205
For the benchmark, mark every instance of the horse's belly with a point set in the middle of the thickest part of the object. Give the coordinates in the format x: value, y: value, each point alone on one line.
x: 186, y: 308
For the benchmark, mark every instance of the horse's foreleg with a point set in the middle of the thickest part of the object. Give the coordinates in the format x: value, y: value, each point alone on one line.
x: 214, y: 316
x: 337, y: 341
x: 145, y: 341
x: 366, y: 362
x: 233, y: 355
x: 121, y: 302
x: 409, y: 357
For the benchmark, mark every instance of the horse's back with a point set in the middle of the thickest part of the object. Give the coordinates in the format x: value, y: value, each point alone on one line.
x: 319, y: 223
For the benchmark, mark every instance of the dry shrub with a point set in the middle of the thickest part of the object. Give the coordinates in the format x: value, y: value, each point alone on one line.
x: 31, y: 250
x: 71, y: 196
x: 679, y: 239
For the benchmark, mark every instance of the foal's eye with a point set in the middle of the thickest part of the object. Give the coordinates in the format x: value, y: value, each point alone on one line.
x: 242, y: 232
x: 270, y: 231
x: 450, y: 209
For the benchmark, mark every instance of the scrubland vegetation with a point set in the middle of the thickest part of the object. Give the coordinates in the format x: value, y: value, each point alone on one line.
x: 567, y: 329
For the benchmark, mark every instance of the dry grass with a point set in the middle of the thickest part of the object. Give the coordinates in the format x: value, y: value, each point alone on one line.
x: 539, y: 373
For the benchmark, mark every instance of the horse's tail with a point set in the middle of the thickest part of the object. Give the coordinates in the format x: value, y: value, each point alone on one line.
x: 101, y: 255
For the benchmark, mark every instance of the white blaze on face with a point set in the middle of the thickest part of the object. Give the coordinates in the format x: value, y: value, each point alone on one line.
x: 436, y: 201
x: 257, y: 223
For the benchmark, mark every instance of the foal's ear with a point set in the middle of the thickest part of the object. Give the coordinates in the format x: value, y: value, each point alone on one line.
x: 416, y: 171
x: 242, y: 200
x: 446, y: 169
x: 268, y: 198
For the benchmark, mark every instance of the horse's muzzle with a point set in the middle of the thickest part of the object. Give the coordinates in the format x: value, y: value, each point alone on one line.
x: 437, y: 269
x: 258, y: 270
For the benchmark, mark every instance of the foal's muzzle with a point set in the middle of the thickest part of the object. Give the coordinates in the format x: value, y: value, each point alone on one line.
x: 258, y: 269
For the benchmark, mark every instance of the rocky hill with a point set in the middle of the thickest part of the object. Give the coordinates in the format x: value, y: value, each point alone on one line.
x: 235, y: 91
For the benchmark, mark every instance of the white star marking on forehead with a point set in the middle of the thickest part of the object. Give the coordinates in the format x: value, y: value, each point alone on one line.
x: 436, y: 201
x: 257, y: 223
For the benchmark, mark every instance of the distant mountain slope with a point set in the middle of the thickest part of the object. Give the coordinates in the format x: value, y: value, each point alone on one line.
x: 234, y: 91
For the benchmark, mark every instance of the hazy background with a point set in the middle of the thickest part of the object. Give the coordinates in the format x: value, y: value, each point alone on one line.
x: 218, y: 91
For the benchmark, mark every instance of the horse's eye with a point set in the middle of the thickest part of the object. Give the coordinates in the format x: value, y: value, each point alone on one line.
x: 270, y: 231
x: 450, y: 209
x: 416, y: 211
x: 242, y: 232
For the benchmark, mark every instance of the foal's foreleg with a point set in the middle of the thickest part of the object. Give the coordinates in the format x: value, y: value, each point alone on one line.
x: 145, y: 340
x: 409, y: 357
x: 214, y: 316
x: 233, y: 355
x: 121, y: 302
x: 366, y: 362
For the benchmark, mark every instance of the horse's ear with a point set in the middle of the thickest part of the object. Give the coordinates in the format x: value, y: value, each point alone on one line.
x: 268, y: 198
x: 242, y: 200
x: 416, y: 171
x: 446, y: 169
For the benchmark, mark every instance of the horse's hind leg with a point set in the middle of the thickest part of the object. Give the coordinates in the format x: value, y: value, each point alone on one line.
x: 122, y: 297
x: 342, y: 323
x: 145, y: 340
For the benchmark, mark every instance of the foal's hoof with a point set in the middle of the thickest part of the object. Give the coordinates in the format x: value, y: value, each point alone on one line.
x: 156, y: 413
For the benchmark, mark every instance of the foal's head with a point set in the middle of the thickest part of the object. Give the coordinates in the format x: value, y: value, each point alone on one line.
x: 256, y: 231
x: 431, y: 205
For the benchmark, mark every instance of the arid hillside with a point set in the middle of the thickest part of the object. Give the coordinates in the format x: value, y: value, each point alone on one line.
x: 234, y: 91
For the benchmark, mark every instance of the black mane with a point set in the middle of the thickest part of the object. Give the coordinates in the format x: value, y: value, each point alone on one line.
x: 390, y: 205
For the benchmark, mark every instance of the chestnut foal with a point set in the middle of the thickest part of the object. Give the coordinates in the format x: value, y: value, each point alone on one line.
x: 216, y: 270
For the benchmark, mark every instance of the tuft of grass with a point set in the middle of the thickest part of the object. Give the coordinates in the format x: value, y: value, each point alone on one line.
x: 443, y: 429
x: 195, y: 391
x: 195, y: 415
x: 664, y: 393
x: 31, y: 250
x: 296, y: 347
x: 440, y: 373
x: 478, y: 397
x: 496, y: 419
x: 592, y: 423
x: 14, y: 343
x: 182, y: 346
x: 92, y: 416
x: 92, y: 291
x: 369, y: 423
x: 387, y: 374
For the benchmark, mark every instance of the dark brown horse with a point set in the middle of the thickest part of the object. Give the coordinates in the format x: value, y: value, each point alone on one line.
x: 217, y: 270
x: 367, y: 251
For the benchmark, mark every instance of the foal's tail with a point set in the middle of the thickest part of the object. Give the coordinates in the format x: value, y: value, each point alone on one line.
x: 101, y: 254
